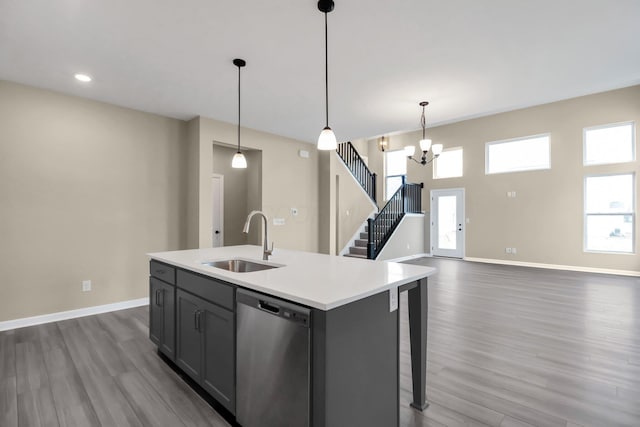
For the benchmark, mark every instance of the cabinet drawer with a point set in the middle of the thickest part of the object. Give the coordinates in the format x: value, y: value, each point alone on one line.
x: 162, y: 271
x: 206, y: 287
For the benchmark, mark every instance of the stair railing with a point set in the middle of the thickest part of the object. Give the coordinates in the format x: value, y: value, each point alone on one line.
x: 407, y: 199
x: 358, y: 168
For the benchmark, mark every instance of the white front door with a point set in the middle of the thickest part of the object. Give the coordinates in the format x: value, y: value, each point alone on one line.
x: 217, y: 210
x: 447, y: 223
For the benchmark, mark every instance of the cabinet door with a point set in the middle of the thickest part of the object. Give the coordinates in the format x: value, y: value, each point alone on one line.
x: 189, y: 342
x: 168, y: 342
x: 218, y: 376
x: 155, y: 312
x: 162, y: 316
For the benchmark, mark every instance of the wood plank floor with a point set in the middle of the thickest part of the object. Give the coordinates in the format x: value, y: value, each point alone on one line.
x: 508, y: 346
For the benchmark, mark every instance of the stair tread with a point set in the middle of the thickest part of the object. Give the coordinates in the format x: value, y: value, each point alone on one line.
x: 356, y: 256
x: 358, y: 250
x: 361, y: 242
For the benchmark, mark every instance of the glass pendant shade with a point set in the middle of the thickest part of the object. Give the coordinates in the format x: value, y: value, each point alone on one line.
x: 409, y: 150
x: 327, y: 140
x: 239, y: 161
x: 437, y: 149
x: 425, y: 144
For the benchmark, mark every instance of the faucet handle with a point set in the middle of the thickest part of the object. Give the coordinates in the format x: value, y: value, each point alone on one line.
x: 271, y: 250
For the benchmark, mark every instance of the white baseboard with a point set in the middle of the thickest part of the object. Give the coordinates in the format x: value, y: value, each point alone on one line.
x: 71, y: 314
x: 557, y: 266
x: 408, y: 257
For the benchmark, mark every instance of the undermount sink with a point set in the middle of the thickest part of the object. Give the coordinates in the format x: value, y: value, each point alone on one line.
x: 239, y: 265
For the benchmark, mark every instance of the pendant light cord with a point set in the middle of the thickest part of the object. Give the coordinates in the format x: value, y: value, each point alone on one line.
x: 423, y: 122
x: 326, y: 69
x: 238, y: 109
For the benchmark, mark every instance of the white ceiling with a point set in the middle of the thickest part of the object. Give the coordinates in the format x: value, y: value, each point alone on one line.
x: 467, y: 57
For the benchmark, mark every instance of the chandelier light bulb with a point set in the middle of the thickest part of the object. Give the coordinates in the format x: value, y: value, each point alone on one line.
x: 409, y: 150
x: 425, y: 144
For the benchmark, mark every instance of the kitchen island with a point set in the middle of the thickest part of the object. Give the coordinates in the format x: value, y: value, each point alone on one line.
x: 352, y: 318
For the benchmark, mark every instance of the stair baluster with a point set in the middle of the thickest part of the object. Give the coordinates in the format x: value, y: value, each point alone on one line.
x: 358, y: 168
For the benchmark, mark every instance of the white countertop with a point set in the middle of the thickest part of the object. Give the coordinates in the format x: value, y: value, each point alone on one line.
x: 315, y: 280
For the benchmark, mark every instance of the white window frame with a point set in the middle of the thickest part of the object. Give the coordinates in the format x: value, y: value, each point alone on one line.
x: 506, y: 141
x: 609, y: 125
x: 384, y: 194
x: 435, y: 164
x: 633, y: 214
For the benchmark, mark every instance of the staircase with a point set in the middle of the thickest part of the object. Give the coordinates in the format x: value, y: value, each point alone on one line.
x: 378, y: 230
x: 359, y: 249
x: 407, y: 199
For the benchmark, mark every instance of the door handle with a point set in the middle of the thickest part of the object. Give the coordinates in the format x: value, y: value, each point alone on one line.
x: 197, y: 319
x: 158, y: 297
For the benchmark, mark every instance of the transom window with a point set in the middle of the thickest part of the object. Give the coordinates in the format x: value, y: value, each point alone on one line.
x: 395, y: 171
x: 609, y: 213
x: 609, y: 144
x: 519, y: 154
x: 448, y: 164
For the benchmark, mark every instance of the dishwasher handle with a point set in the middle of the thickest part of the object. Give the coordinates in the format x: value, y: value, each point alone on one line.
x: 266, y: 306
x: 274, y: 306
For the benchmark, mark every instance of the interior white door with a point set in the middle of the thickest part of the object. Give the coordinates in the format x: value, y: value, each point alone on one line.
x: 217, y: 210
x: 447, y: 223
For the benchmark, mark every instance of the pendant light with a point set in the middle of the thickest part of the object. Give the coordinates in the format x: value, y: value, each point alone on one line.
x: 425, y: 143
x: 327, y: 139
x: 239, y: 161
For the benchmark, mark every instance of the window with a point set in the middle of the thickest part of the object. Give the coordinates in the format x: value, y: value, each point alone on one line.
x: 609, y: 144
x: 395, y: 166
x: 448, y: 164
x: 520, y: 154
x: 609, y: 213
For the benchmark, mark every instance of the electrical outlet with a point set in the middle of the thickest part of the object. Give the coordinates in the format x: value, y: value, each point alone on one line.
x: 507, y: 250
x: 86, y: 285
x: 513, y: 251
x: 294, y: 211
x: 278, y: 221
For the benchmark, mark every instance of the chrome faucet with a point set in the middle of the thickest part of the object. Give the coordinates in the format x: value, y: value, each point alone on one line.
x: 266, y: 252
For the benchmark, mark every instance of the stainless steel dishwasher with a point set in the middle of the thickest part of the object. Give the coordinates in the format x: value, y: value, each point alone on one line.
x: 272, y: 362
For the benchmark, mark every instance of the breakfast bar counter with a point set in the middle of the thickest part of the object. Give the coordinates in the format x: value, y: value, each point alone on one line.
x: 353, y: 324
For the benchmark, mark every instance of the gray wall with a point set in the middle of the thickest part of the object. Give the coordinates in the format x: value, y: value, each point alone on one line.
x: 86, y: 189
x: 545, y: 221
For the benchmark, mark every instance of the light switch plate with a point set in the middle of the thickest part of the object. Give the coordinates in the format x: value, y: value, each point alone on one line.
x: 393, y: 299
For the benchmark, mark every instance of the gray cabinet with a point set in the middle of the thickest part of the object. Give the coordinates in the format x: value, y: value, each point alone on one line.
x: 205, y: 338
x: 162, y: 310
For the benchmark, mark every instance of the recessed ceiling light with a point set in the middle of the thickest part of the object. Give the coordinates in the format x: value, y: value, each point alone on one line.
x: 83, y: 78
